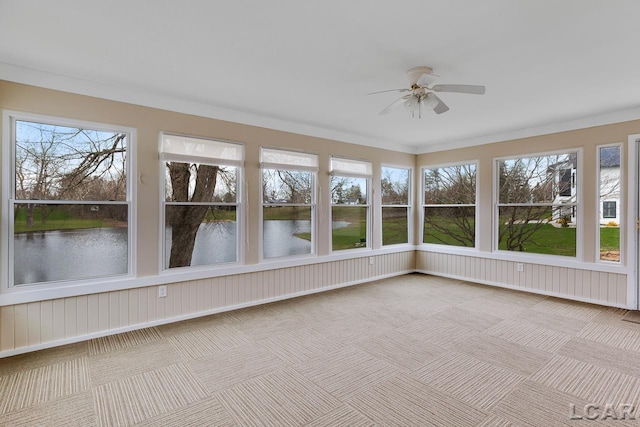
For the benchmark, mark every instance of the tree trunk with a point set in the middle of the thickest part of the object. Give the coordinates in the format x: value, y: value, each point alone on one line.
x: 185, y: 220
x: 30, y: 208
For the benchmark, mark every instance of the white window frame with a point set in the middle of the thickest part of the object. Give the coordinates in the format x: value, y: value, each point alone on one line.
x: 8, y: 196
x: 424, y: 205
x: 367, y: 173
x: 620, y: 208
x: 409, y: 206
x: 240, y: 215
x: 578, y: 205
x: 313, y: 205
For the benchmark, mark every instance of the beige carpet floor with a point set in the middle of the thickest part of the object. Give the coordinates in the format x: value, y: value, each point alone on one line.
x: 414, y: 350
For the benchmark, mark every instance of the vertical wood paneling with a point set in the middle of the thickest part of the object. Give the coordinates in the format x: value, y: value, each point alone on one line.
x: 208, y: 292
x: 114, y: 310
x: 123, y: 301
x: 103, y: 311
x: 579, y: 283
x: 152, y: 303
x: 7, y: 327
x: 21, y: 325
x: 162, y: 305
x: 599, y: 286
x: 556, y: 279
x: 33, y: 314
x: 564, y: 275
x: 143, y: 304
x: 571, y: 281
x: 134, y: 302
x: 603, y: 287
x: 46, y: 321
x: 59, y: 319
x: 70, y: 317
x: 595, y: 284
x: 621, y: 294
x: 82, y: 315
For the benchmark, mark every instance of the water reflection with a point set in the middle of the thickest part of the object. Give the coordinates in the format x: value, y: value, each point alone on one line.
x: 69, y: 254
x: 98, y: 252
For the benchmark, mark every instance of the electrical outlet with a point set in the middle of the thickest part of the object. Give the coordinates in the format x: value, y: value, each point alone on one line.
x: 370, y: 260
x: 520, y: 267
x: 162, y: 291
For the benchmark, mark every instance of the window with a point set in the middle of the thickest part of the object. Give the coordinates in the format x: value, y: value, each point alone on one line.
x: 69, y: 201
x: 537, y: 201
x: 349, y: 203
x: 609, y: 178
x: 609, y: 210
x: 449, y: 205
x: 201, y: 205
x: 288, y: 202
x: 395, y: 187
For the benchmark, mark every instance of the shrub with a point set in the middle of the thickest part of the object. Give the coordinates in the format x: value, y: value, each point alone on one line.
x: 612, y: 224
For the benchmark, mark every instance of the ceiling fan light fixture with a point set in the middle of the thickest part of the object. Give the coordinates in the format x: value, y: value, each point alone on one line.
x: 411, y: 104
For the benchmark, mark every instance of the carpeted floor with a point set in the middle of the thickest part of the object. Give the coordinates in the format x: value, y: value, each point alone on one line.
x: 413, y: 350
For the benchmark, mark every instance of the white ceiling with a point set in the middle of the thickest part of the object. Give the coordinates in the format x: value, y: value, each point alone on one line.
x: 306, y: 66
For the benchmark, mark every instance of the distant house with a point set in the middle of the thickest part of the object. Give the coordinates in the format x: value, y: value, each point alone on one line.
x: 609, y: 185
x: 564, y: 188
x: 564, y: 191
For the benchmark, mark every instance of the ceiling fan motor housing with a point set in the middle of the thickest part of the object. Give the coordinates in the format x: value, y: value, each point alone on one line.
x: 414, y: 74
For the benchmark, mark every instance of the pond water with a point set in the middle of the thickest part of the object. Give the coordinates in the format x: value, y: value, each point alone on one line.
x: 72, y: 254
x: 69, y: 254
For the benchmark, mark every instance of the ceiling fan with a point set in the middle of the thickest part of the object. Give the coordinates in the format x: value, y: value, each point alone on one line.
x: 423, y: 96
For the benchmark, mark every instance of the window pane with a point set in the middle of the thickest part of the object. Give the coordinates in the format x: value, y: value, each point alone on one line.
x: 281, y: 186
x: 394, y: 226
x: 66, y: 163
x: 66, y: 242
x: 544, y: 179
x: 215, y: 230
x: 609, y: 201
x: 349, y: 227
x: 538, y: 229
x: 450, y: 185
x: 286, y: 231
x: 395, y: 186
x: 348, y: 191
x: 193, y: 182
x: 454, y: 226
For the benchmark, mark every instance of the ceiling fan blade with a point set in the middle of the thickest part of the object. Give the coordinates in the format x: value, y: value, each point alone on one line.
x: 441, y: 107
x: 472, y: 89
x: 394, y: 104
x: 390, y: 90
x: 426, y: 80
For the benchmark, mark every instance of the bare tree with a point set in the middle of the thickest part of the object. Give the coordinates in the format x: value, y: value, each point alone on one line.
x: 63, y: 163
x: 185, y: 220
x: 447, y: 191
x: 528, y: 194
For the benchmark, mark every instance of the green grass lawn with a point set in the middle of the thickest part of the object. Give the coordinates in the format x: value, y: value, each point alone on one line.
x: 394, y: 231
x: 546, y: 240
x: 55, y: 219
x: 609, y: 239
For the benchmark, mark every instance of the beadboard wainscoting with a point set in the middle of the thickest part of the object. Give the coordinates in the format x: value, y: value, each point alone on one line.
x: 42, y: 324
x: 581, y: 284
